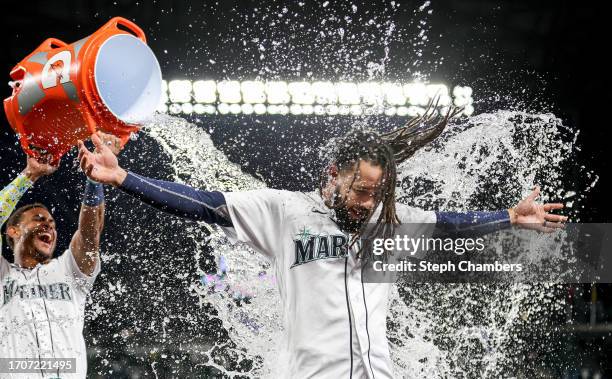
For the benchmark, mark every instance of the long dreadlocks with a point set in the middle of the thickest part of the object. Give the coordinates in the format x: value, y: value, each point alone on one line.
x: 388, y: 151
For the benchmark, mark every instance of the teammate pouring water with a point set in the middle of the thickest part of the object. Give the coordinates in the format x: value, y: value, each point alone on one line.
x: 42, y: 297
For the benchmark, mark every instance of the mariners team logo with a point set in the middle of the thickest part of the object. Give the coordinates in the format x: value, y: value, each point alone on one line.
x: 311, y: 246
x: 54, y: 291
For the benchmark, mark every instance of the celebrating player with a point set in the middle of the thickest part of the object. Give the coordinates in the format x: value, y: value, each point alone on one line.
x: 42, y: 298
x: 335, y: 323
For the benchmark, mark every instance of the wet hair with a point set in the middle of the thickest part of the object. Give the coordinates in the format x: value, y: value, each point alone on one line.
x: 15, y: 219
x: 386, y: 150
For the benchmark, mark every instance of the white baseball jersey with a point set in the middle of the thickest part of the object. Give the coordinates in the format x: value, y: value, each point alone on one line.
x: 42, y: 312
x: 335, y: 324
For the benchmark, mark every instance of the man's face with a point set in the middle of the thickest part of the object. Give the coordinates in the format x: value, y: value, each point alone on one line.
x: 35, y: 234
x: 360, y: 196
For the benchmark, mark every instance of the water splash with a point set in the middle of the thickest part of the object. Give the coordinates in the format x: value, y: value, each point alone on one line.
x: 255, y: 326
x: 487, y: 162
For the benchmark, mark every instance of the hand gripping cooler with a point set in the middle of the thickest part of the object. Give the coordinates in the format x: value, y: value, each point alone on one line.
x: 62, y: 93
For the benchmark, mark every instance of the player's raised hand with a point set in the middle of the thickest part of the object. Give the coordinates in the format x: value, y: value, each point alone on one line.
x: 41, y: 166
x: 100, y: 165
x: 531, y: 215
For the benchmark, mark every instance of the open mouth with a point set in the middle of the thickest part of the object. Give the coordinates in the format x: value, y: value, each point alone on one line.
x: 46, y: 238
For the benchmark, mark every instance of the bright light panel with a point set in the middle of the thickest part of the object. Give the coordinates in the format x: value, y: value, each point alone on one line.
x: 278, y: 92
x: 180, y: 91
x: 253, y: 92
x: 229, y: 91
x: 306, y: 98
x: 205, y: 91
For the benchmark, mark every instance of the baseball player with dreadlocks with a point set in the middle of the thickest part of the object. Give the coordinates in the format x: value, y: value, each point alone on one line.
x: 335, y: 323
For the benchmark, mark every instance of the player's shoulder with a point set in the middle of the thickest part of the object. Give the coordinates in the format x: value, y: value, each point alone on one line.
x: 305, y: 204
x: 410, y: 214
x: 290, y: 200
x: 311, y: 198
x: 258, y: 194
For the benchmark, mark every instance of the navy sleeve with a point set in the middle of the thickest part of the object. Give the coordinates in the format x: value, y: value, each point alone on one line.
x: 471, y: 223
x: 93, y: 194
x: 178, y: 199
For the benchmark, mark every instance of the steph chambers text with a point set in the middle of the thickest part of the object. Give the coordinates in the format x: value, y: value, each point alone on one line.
x: 461, y: 266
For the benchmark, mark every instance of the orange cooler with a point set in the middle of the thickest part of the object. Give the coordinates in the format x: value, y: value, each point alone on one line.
x: 108, y: 81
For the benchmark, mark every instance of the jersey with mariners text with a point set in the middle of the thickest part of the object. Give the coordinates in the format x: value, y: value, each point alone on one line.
x: 335, y: 323
x: 42, y: 313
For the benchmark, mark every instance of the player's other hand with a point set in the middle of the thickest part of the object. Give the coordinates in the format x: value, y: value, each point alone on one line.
x: 113, y: 142
x: 101, y: 165
x: 531, y: 215
x: 41, y: 166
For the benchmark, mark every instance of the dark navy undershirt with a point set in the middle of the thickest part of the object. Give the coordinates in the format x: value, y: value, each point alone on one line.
x: 210, y: 206
x: 178, y: 199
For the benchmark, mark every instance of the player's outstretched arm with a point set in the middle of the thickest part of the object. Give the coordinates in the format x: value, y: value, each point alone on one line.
x: 526, y: 214
x: 10, y: 195
x: 85, y: 244
x: 471, y: 223
x: 177, y: 199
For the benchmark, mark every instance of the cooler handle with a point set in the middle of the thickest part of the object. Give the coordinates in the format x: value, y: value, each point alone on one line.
x: 114, y: 22
x: 52, y: 43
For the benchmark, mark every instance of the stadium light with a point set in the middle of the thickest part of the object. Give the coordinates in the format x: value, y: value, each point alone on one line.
x: 307, y: 109
x: 187, y: 108
x: 301, y: 93
x: 259, y: 109
x: 371, y: 93
x: 278, y: 92
x: 307, y: 98
x: 229, y: 92
x: 416, y: 94
x: 347, y: 93
x: 253, y: 92
x: 324, y: 92
x: 223, y: 108
x: 247, y: 108
x: 394, y: 94
x: 180, y: 91
x: 205, y: 91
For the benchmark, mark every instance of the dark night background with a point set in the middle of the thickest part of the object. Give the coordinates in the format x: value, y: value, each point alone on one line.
x: 539, y: 56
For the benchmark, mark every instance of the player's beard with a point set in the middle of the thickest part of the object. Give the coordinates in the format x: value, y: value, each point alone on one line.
x: 342, y: 216
x: 346, y: 223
